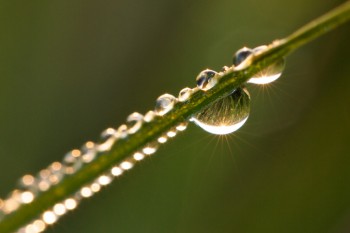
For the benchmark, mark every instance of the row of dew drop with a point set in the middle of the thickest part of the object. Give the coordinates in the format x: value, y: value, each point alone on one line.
x: 221, y: 117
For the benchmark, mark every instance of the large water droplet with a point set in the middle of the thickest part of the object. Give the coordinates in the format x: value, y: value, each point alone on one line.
x: 225, y: 115
x: 164, y: 104
x: 205, y: 79
x: 265, y: 76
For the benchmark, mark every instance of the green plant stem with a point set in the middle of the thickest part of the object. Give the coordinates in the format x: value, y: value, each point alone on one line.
x: 181, y: 112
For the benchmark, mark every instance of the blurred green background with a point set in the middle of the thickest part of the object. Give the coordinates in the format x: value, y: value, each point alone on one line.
x: 69, y: 69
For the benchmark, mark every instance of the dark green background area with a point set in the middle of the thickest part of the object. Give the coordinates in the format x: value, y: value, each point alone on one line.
x: 69, y: 69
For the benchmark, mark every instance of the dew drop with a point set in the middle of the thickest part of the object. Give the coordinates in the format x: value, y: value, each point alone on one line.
x: 138, y: 156
x: 184, y: 94
x: 149, y: 116
x: 126, y: 165
x: 162, y: 139
x: 116, y: 171
x: 39, y: 225
x: 49, y: 217
x: 206, y: 79
x: 86, y: 192
x: 95, y: 187
x: 134, y: 122
x: 225, y: 115
x: 104, y: 180
x: 27, y: 197
x: 164, y: 104
x: 27, y: 181
x: 265, y: 76
x: 171, y: 133
x: 150, y: 149
x: 70, y: 203
x: 182, y: 126
x: 59, y: 209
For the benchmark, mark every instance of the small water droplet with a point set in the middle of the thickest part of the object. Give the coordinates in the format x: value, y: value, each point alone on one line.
x: 49, y: 217
x: 149, y: 116
x: 59, y: 209
x: 134, y: 122
x: 162, y: 139
x: 265, y: 76
x: 171, y: 133
x: 104, y: 180
x: 151, y: 148
x: 70, y: 203
x: 164, y: 104
x: 138, y: 156
x: 86, y: 192
x: 39, y: 225
x: 182, y: 126
x: 27, y: 181
x: 95, y: 187
x: 206, y: 79
x: 184, y: 94
x: 225, y: 115
x: 116, y: 171
x: 126, y: 165
x: 27, y: 197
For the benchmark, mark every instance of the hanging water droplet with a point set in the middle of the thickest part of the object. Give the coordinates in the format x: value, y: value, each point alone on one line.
x: 134, y: 122
x: 184, y: 94
x: 151, y: 148
x: 162, y: 139
x: 171, y: 133
x: 265, y: 76
x: 126, y: 165
x: 182, y: 126
x: 116, y: 171
x: 138, y: 156
x: 225, y: 115
x: 164, y: 104
x: 206, y: 79
x: 59, y: 209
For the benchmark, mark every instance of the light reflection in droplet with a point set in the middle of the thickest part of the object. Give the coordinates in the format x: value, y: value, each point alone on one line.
x: 49, y: 217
